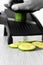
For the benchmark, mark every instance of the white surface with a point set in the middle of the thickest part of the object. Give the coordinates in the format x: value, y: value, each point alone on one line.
x: 10, y: 56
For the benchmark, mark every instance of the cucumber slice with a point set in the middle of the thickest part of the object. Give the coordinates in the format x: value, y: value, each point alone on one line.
x: 38, y: 44
x: 13, y: 46
x: 25, y: 41
x: 26, y: 47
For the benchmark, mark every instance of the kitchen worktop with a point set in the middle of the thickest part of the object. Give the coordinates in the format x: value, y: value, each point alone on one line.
x: 10, y: 56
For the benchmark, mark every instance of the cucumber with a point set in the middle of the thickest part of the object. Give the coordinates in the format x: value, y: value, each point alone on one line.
x: 26, y: 41
x: 26, y: 47
x: 13, y: 46
x: 38, y: 44
x: 19, y: 17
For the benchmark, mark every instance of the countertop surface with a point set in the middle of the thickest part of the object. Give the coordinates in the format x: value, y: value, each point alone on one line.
x: 10, y: 56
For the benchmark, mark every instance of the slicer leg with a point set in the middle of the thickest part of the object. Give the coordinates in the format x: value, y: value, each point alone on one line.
x: 5, y: 32
x: 10, y: 40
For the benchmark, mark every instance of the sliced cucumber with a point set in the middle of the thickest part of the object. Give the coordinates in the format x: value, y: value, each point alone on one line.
x: 26, y: 41
x: 38, y: 44
x: 13, y: 46
x: 26, y: 47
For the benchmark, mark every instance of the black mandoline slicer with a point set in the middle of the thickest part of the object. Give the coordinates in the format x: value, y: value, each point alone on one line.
x: 27, y: 25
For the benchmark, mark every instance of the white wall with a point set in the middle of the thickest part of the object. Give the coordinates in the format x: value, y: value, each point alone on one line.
x: 2, y: 2
x: 39, y: 14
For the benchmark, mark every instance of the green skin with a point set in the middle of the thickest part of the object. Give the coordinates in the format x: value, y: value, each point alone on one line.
x: 27, y: 50
x: 19, y: 17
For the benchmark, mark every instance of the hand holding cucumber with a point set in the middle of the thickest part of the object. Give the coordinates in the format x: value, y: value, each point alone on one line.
x: 28, y: 4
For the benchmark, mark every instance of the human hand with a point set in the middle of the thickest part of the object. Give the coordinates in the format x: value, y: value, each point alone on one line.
x: 28, y: 5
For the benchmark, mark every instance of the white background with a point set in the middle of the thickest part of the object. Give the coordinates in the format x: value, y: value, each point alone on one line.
x: 39, y: 13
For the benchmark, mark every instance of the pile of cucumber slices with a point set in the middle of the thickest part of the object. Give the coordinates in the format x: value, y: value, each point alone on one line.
x: 27, y: 45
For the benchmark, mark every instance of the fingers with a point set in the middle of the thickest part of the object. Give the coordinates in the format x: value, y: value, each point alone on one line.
x: 21, y: 6
x: 26, y: 6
